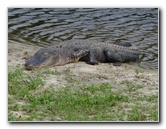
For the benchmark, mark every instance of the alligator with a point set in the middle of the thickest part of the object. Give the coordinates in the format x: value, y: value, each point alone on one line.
x: 90, y: 51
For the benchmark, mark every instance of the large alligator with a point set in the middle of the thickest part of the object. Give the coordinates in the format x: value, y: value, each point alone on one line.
x: 90, y: 51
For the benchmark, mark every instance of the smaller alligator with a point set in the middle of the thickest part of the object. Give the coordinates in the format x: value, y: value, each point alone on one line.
x: 90, y: 51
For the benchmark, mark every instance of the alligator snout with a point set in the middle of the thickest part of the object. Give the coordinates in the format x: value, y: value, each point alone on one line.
x: 42, y: 59
x: 28, y: 66
x: 34, y: 62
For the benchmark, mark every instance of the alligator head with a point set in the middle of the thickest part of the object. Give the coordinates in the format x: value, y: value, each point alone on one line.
x: 44, y: 58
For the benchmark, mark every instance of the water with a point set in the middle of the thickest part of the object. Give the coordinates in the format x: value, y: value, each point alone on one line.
x: 45, y: 26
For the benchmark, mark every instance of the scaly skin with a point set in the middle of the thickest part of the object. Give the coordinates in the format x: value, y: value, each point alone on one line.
x: 90, y: 51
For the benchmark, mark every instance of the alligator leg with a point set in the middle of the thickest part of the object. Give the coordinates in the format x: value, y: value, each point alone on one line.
x: 90, y: 58
x: 113, y: 57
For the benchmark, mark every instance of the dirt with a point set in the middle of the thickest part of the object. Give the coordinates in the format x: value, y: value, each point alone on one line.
x: 82, y: 73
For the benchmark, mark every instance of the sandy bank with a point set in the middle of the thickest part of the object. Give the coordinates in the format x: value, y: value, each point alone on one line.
x: 83, y: 73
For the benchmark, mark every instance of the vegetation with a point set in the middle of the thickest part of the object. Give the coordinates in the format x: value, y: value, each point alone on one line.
x: 30, y: 100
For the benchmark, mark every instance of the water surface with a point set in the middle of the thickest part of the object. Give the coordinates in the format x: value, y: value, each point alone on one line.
x: 45, y: 26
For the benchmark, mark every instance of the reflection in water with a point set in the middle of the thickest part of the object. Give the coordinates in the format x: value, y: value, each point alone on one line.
x: 50, y: 25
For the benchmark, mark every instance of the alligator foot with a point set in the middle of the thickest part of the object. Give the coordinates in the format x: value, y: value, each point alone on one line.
x: 117, y: 64
x: 93, y: 62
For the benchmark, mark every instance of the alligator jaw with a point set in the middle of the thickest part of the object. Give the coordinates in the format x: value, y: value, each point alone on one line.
x: 30, y: 67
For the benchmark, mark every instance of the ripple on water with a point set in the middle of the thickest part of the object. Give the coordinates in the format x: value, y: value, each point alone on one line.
x: 44, y: 26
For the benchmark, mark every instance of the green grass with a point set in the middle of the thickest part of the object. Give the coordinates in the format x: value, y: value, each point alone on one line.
x: 26, y: 102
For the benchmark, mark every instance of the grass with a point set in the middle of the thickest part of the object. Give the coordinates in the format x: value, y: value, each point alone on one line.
x: 94, y: 102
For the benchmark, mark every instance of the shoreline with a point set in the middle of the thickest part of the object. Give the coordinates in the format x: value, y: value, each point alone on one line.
x: 140, y: 86
x: 104, y: 72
